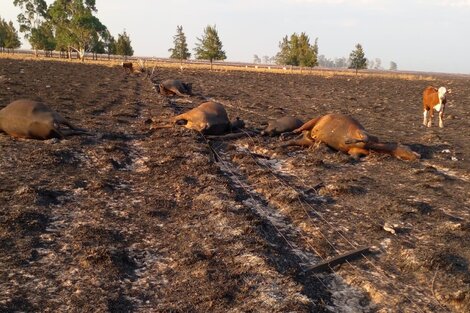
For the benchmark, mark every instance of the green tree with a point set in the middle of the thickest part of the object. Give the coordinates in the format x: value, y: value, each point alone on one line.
x: 109, y: 43
x: 97, y: 46
x: 123, y: 45
x: 75, y: 25
x: 180, y: 50
x: 357, y: 58
x: 209, y: 46
x: 30, y: 21
x: 256, y: 59
x: 308, y: 54
x: 43, y: 38
x: 283, y: 56
x: 3, y: 34
x: 393, y: 66
x: 12, y: 41
x: 9, y: 39
x: 297, y: 51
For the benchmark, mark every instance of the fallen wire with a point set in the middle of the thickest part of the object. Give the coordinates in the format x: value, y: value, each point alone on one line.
x: 285, y: 184
x: 245, y: 188
x: 369, y: 261
x: 432, y: 284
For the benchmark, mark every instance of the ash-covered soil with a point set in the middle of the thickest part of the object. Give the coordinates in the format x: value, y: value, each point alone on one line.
x: 139, y: 220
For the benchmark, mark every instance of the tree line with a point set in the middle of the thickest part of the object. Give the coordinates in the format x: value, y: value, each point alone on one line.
x: 295, y: 50
x: 71, y: 26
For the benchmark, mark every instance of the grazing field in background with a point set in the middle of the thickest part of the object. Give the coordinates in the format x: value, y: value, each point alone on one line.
x: 137, y: 220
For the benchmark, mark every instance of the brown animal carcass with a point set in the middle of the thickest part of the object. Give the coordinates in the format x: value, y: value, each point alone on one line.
x: 209, y: 118
x: 343, y: 133
x: 172, y: 87
x: 32, y: 119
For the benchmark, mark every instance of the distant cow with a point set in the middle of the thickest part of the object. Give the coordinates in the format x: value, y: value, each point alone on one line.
x: 434, y: 99
x: 128, y: 66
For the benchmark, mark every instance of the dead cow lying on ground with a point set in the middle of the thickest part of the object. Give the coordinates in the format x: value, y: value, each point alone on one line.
x: 281, y: 125
x: 209, y: 118
x: 32, y: 119
x: 434, y: 99
x: 344, y: 133
x: 172, y: 87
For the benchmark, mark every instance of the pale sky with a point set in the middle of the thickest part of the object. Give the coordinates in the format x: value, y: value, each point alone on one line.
x: 421, y: 35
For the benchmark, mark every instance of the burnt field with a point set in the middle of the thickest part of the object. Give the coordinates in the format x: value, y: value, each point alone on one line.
x: 133, y: 219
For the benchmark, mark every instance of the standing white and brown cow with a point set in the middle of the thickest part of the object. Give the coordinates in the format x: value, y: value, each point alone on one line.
x: 434, y: 99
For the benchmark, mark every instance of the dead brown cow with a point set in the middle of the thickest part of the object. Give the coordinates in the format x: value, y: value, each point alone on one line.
x: 209, y: 118
x: 344, y: 133
x: 170, y: 87
x: 32, y: 119
x: 434, y: 99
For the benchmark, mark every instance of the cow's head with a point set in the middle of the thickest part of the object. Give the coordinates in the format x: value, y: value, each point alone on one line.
x: 442, y: 92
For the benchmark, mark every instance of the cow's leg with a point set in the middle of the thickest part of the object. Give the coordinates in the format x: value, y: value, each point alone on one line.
x: 307, y: 126
x: 441, y: 122
x: 425, y: 117
x: 431, y: 113
x: 304, y: 141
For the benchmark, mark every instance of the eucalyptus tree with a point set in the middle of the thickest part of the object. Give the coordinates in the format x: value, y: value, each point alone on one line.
x: 31, y: 21
x: 75, y: 25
